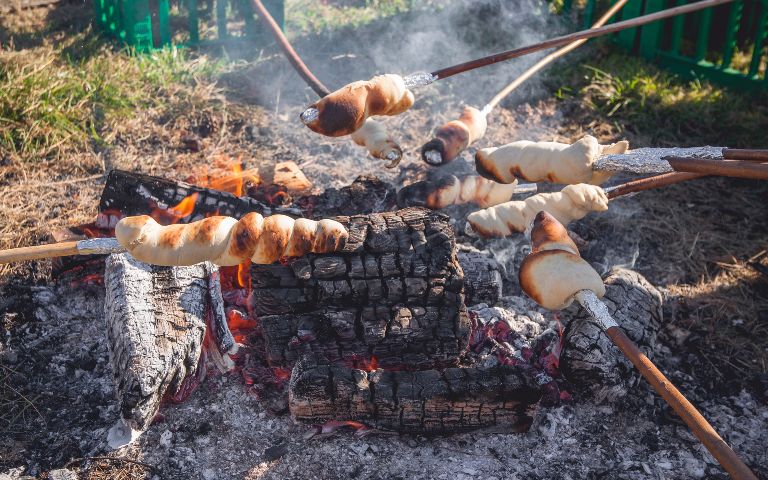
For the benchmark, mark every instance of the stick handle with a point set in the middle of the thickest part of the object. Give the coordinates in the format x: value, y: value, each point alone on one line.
x: 648, y: 183
x: 723, y: 168
x: 38, y: 252
x: 687, y: 412
x: 745, y: 154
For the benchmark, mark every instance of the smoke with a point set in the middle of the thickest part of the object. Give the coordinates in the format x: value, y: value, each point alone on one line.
x: 432, y: 35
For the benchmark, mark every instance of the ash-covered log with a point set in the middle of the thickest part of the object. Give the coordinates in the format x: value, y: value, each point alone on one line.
x: 590, y: 361
x: 156, y: 323
x: 500, y: 398
x: 395, y: 293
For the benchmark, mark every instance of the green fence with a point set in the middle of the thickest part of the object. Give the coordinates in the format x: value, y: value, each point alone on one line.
x: 724, y: 44
x: 145, y: 24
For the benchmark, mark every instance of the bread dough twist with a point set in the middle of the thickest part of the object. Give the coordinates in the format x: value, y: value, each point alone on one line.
x: 452, y: 190
x: 345, y: 110
x: 554, y: 271
x: 454, y: 137
x: 571, y: 203
x: 547, y: 161
x: 227, y: 241
x: 374, y: 137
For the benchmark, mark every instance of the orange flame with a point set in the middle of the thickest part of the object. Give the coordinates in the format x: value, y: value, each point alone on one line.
x: 173, y: 214
x: 226, y: 176
x: 244, y: 275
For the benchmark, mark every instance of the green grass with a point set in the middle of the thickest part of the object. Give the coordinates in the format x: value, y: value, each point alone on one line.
x: 312, y: 16
x: 51, y: 105
x: 640, y: 100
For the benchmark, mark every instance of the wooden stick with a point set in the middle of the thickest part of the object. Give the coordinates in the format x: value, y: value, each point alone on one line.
x: 744, y: 154
x: 699, y: 425
x: 290, y: 53
x: 656, y: 181
x: 566, y: 39
x: 723, y: 168
x: 93, y: 246
x: 551, y: 57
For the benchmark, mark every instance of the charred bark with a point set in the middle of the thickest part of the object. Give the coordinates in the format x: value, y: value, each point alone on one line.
x: 367, y: 194
x: 129, y: 193
x: 395, y: 293
x: 589, y: 359
x: 428, y: 401
x: 156, y: 320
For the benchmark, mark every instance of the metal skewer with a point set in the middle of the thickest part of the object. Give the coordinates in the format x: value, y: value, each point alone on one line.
x: 91, y: 246
x: 421, y: 78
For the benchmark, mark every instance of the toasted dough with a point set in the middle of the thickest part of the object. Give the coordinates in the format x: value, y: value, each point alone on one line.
x: 554, y: 271
x: 546, y: 161
x: 571, y: 203
x: 226, y: 241
x: 455, y: 136
x: 374, y: 137
x: 345, y: 110
x: 451, y: 190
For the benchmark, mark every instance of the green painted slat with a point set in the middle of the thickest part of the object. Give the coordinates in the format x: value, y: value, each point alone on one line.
x: 702, y: 42
x: 163, y: 13
x: 734, y: 21
x: 677, y: 31
x: 687, y: 68
x: 221, y: 18
x: 633, y: 8
x: 193, y: 23
x: 650, y: 33
x: 757, y: 52
x: 589, y: 13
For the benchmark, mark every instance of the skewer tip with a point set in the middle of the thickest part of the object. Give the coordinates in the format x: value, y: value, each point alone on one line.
x: 393, y: 157
x: 433, y: 157
x: 309, y: 115
x: 418, y: 79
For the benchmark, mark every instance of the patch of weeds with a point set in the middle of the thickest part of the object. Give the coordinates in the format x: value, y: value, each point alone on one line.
x: 311, y: 16
x: 638, y: 100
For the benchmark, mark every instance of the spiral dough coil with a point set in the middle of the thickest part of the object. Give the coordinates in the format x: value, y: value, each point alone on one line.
x: 226, y: 241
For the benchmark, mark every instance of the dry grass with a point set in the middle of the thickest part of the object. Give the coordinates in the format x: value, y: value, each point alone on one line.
x: 112, y: 467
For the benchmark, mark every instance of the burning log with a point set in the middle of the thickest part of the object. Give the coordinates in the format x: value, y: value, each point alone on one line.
x: 367, y: 194
x: 156, y: 324
x: 394, y: 292
x: 128, y: 193
x: 589, y: 359
x: 427, y: 402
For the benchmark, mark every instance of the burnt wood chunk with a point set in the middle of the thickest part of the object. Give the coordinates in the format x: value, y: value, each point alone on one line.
x: 483, y: 277
x: 589, y: 359
x: 367, y: 194
x: 129, y: 193
x: 499, y: 398
x: 395, y: 293
x: 156, y: 320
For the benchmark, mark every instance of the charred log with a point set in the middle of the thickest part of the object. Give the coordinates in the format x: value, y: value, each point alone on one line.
x: 128, y: 193
x: 367, y: 194
x: 483, y: 277
x: 395, y: 293
x: 590, y: 360
x: 428, y: 402
x: 156, y: 321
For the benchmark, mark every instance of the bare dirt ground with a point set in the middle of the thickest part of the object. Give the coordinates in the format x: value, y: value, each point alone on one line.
x: 703, y: 244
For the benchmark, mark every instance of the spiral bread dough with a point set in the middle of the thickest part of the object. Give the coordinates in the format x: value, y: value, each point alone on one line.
x: 374, y: 137
x: 571, y: 203
x: 452, y: 190
x: 546, y: 161
x: 554, y: 271
x: 345, y: 110
x: 227, y: 241
x: 455, y: 136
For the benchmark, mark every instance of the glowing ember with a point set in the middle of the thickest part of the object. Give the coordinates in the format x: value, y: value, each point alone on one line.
x: 237, y: 320
x: 244, y: 275
x: 309, y: 115
x: 433, y: 157
x: 227, y: 176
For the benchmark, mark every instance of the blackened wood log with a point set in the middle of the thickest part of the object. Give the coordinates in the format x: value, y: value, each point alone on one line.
x: 395, y: 293
x: 483, y: 277
x: 500, y: 398
x: 156, y: 320
x: 130, y: 193
x: 590, y: 360
x: 367, y: 194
